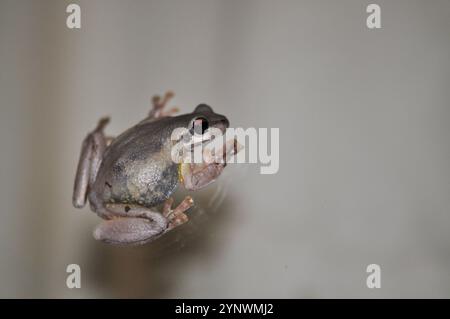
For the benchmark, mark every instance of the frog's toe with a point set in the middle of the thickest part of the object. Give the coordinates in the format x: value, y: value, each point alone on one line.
x: 177, y: 216
x: 177, y: 220
x: 167, y: 207
x: 102, y: 123
x: 159, y: 104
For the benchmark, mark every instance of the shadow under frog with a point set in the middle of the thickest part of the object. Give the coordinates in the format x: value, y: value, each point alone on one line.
x: 126, y: 177
x: 155, y: 271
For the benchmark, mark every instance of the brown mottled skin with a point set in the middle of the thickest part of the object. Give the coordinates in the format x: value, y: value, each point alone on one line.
x: 125, y: 177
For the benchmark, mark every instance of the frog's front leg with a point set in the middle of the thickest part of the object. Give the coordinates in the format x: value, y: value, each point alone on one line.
x: 136, y: 225
x: 92, y: 150
x: 197, y: 176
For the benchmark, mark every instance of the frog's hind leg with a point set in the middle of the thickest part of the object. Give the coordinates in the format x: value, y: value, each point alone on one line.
x: 137, y: 225
x: 131, y: 225
x: 91, y: 155
x: 159, y: 104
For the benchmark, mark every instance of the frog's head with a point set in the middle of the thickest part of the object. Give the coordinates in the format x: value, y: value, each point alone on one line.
x: 202, y: 122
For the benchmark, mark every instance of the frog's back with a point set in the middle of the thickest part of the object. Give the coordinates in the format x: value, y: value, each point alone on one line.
x: 137, y: 167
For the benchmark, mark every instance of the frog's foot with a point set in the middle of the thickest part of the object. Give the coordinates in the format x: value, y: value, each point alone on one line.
x: 177, y: 216
x: 131, y: 225
x: 159, y: 105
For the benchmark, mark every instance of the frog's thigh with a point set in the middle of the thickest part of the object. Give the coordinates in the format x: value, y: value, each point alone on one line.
x: 128, y: 231
x: 92, y: 151
x: 132, y: 225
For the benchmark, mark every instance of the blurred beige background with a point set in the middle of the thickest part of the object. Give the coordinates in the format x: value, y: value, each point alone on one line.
x: 364, y: 125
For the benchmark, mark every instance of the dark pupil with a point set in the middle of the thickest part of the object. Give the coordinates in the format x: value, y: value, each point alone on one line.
x: 200, y: 126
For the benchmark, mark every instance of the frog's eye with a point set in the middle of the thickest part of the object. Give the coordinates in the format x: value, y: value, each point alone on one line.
x: 198, y: 126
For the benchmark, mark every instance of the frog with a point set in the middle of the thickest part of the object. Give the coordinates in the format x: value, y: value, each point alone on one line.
x: 126, y: 178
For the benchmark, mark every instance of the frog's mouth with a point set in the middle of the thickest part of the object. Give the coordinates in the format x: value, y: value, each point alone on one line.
x: 194, y: 176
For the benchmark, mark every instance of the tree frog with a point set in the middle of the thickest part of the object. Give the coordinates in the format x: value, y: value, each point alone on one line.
x: 126, y: 177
